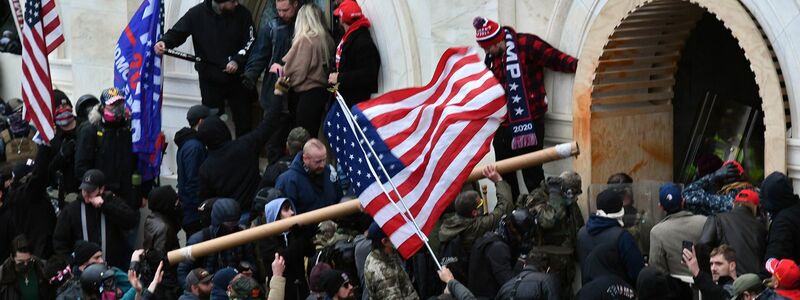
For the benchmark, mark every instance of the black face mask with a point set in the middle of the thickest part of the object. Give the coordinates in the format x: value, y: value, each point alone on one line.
x: 23, y: 268
x: 226, y: 230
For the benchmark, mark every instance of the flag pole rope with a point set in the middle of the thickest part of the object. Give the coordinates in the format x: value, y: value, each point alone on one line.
x: 410, y: 218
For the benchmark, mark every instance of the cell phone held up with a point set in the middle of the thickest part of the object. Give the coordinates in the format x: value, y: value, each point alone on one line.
x: 687, y: 245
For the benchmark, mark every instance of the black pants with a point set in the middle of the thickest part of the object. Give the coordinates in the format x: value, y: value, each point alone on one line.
x: 309, y: 109
x: 502, y: 149
x: 239, y: 99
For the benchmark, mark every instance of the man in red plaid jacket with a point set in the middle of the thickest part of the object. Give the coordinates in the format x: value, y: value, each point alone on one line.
x: 518, y: 60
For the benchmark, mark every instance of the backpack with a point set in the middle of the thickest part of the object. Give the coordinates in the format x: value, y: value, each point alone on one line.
x: 18, y: 148
x: 456, y: 258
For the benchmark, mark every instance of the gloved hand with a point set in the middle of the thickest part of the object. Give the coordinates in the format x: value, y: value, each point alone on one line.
x: 725, y: 174
x: 554, y: 185
x: 248, y: 83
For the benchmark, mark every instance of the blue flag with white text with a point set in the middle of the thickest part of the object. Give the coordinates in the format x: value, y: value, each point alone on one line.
x: 137, y: 71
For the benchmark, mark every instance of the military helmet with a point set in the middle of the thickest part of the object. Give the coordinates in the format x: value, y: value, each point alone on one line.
x: 94, y: 276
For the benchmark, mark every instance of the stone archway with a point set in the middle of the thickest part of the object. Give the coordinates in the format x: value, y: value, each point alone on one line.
x: 659, y: 29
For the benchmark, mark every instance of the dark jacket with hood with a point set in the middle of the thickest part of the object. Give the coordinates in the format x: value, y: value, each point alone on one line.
x: 217, y: 39
x: 225, y: 210
x: 606, y: 229
x: 291, y: 248
x: 119, y: 218
x: 274, y: 40
x: 190, y: 156
x: 606, y: 287
x: 9, y: 282
x: 741, y: 230
x: 491, y: 264
x: 231, y: 168
x: 654, y: 284
x: 530, y: 284
x: 605, y: 259
x: 109, y: 148
x: 309, y: 192
x: 778, y: 199
x: 30, y: 208
x: 358, y: 67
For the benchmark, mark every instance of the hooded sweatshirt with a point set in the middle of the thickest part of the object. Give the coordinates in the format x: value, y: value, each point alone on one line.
x: 292, y: 250
x: 606, y: 229
x: 191, y: 154
x: 778, y: 198
x: 231, y: 168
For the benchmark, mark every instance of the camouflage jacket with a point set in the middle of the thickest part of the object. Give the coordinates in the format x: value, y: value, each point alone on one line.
x: 385, y: 277
x: 557, y: 221
x: 702, y: 196
x: 473, y: 228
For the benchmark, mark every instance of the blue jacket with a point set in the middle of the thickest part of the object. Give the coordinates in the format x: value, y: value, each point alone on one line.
x: 273, y: 42
x: 629, y: 253
x: 191, y: 154
x: 306, y: 192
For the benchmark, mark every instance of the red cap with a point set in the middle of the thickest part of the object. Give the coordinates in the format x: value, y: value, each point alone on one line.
x: 737, y: 165
x: 747, y: 196
x: 487, y: 32
x: 348, y: 11
x: 786, y: 272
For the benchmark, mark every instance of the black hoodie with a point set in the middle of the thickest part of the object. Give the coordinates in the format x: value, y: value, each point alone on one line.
x: 231, y: 168
x: 778, y: 198
x: 217, y: 38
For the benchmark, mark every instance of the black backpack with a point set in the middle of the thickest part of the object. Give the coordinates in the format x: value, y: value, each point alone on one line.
x: 455, y: 257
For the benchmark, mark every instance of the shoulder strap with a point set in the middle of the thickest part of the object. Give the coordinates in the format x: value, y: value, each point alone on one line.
x: 519, y: 279
x: 102, y: 228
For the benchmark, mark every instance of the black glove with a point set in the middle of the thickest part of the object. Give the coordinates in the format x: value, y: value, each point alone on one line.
x: 248, y: 83
x: 727, y: 173
x: 554, y: 185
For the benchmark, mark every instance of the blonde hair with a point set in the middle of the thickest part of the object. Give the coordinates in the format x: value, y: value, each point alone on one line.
x: 309, y: 25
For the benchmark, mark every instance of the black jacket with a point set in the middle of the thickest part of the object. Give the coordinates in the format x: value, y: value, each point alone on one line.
x: 741, y: 230
x: 490, y: 265
x: 217, y: 39
x: 605, y: 259
x: 358, y: 67
x: 778, y: 198
x: 62, y: 167
x: 191, y: 154
x: 607, y: 287
x: 530, y: 284
x: 30, y: 207
x: 721, y: 290
x: 231, y: 168
x: 108, y: 148
x: 9, y: 289
x: 119, y: 218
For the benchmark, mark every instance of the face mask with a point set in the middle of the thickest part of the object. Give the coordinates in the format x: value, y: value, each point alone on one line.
x: 114, y: 115
x: 22, y: 268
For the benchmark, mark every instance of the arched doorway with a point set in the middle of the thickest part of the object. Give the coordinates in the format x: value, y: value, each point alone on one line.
x: 625, y: 86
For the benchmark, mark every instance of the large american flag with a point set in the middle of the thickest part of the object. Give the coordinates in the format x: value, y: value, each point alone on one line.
x: 428, y: 139
x: 41, y: 34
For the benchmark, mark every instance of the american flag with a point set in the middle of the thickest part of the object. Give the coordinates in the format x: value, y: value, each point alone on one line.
x: 428, y: 139
x: 41, y: 34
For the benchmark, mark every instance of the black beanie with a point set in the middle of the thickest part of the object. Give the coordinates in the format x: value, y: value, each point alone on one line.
x: 84, y: 251
x: 777, y: 193
x: 332, y: 280
x: 610, y: 200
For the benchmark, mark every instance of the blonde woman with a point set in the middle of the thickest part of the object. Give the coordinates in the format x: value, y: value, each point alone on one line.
x: 307, y: 67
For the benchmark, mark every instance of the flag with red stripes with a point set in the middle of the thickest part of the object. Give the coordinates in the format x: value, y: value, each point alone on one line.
x: 428, y: 140
x: 41, y: 34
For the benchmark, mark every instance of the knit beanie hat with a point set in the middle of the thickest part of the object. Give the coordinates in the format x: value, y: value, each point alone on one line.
x: 162, y: 199
x: 348, y: 12
x: 332, y: 280
x: 84, y: 251
x: 487, y: 32
x: 315, y: 279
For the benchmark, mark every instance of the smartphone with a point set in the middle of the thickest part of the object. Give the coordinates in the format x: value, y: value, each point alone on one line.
x: 687, y: 245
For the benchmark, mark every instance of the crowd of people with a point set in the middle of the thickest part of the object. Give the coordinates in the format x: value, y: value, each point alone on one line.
x: 70, y: 208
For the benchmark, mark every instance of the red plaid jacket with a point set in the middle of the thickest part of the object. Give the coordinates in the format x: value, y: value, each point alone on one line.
x: 537, y: 55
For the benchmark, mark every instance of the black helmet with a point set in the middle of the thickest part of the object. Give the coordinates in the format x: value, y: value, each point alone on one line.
x: 83, y: 105
x: 522, y: 220
x: 94, y: 276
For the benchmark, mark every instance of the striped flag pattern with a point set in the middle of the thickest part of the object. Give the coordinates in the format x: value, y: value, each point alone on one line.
x: 41, y: 34
x: 428, y: 139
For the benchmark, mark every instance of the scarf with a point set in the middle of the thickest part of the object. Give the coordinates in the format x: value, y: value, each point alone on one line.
x: 519, y: 112
x: 362, y: 22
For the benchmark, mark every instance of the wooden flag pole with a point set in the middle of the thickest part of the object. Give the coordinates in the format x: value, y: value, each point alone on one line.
x: 350, y: 207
